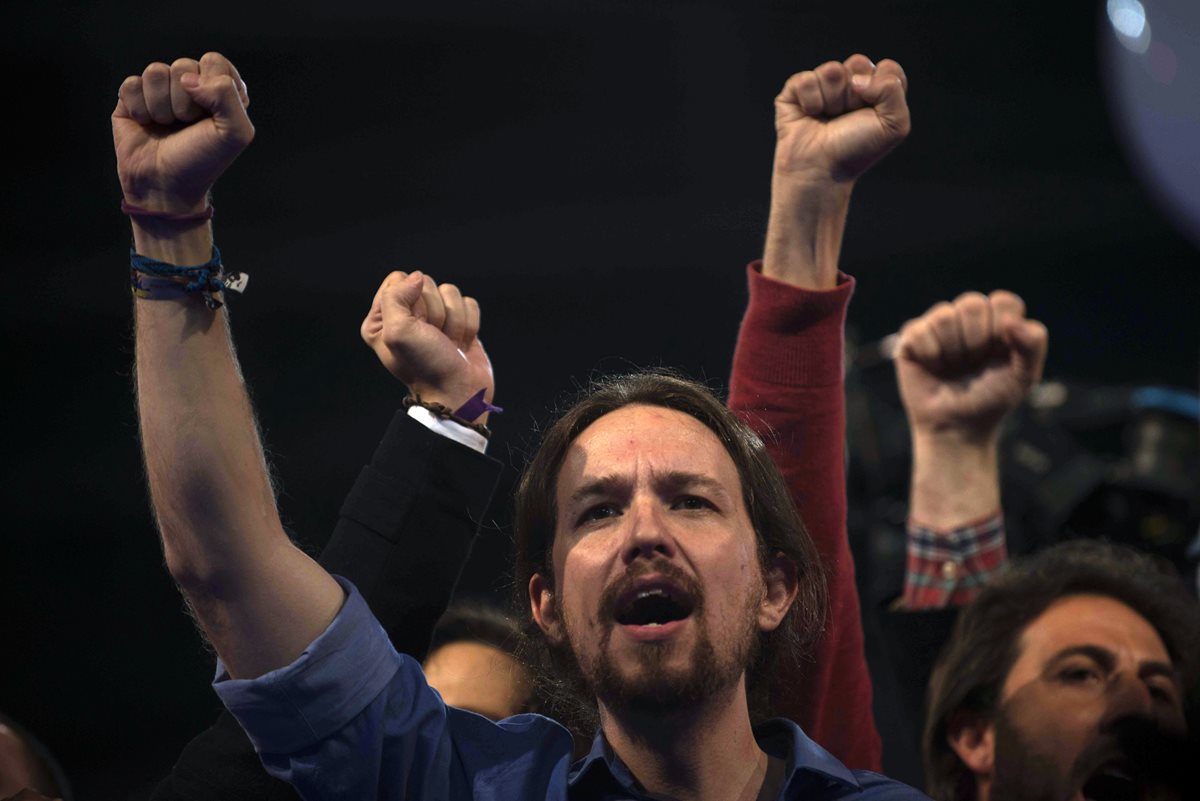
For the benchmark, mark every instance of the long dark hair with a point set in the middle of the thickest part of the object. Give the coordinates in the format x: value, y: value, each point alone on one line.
x: 769, y: 505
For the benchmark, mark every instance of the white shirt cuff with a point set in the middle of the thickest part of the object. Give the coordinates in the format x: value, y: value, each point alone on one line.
x: 448, y: 428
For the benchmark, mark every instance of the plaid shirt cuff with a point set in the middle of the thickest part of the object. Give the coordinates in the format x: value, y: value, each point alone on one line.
x: 949, y: 568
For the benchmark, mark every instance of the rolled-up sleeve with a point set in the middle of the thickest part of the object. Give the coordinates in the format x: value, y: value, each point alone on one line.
x: 326, y: 687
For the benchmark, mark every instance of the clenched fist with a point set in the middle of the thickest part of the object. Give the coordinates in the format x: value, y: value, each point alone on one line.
x: 834, y: 122
x: 831, y: 124
x: 176, y: 128
x: 964, y: 366
x: 426, y: 335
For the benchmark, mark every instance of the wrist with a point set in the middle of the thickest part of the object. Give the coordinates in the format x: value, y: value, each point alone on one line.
x: 804, y: 231
x: 451, y: 398
x: 955, y: 442
x: 164, y: 201
x: 955, y: 479
x: 181, y: 243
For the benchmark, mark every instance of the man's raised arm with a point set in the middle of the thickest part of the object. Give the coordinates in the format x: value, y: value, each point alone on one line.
x: 962, y: 368
x: 832, y: 123
x: 259, y: 599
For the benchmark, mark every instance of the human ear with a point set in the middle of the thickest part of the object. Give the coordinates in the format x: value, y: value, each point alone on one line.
x: 972, y: 737
x: 543, y: 608
x: 780, y: 587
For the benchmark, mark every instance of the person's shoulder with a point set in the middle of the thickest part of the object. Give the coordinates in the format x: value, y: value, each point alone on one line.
x: 880, y: 788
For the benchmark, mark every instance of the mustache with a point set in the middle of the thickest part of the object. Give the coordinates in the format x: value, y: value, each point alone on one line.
x: 1155, y: 756
x: 670, y: 571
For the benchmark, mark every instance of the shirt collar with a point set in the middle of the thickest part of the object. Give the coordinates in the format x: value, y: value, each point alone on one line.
x: 779, y: 737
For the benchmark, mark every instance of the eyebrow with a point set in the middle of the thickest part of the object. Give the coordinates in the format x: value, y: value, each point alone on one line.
x: 602, y: 485
x: 672, y: 481
x: 1102, y: 656
x: 1105, y: 658
x: 678, y: 480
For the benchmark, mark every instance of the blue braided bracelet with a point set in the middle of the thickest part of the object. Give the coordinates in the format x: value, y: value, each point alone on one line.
x: 170, y: 282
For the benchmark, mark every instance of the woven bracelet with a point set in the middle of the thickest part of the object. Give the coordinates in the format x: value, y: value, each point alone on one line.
x: 442, y: 412
x: 168, y: 281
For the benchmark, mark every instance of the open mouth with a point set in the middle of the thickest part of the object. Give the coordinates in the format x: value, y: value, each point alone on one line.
x: 1112, y: 782
x: 654, y: 604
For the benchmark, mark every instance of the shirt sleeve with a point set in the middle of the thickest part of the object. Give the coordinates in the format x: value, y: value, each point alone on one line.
x: 351, y: 718
x: 949, y: 568
x: 334, y: 679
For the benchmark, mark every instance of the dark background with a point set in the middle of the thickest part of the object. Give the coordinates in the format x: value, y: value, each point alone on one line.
x: 595, y: 173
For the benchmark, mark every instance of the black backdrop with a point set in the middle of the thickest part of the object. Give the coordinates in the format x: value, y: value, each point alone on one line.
x: 596, y: 173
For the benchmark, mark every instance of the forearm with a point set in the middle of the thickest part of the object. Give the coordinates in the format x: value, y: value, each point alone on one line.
x: 956, y: 536
x: 258, y: 598
x: 804, y: 231
x: 955, y: 480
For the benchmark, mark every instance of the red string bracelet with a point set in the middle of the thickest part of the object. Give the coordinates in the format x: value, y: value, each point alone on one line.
x: 138, y: 211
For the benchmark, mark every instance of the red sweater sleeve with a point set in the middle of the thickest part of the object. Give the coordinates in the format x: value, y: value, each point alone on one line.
x: 787, y: 385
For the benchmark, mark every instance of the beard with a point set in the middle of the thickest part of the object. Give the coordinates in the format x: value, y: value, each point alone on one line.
x: 1020, y: 773
x: 1156, y: 759
x: 656, y: 680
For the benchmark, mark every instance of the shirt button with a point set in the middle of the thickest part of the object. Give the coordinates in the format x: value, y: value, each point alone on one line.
x: 949, y: 571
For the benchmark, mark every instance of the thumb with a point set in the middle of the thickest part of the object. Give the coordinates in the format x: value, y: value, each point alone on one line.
x: 1030, y: 341
x: 884, y: 91
x: 218, y: 95
x: 400, y: 298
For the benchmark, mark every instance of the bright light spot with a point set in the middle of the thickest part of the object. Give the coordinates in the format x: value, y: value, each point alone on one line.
x: 1128, y: 18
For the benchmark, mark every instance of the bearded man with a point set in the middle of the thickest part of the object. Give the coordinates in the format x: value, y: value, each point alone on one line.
x: 666, y: 550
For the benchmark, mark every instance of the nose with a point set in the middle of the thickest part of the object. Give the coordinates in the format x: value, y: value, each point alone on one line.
x: 1128, y: 697
x: 648, y: 532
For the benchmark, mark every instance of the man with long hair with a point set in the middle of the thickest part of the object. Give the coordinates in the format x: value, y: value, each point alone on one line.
x: 669, y: 551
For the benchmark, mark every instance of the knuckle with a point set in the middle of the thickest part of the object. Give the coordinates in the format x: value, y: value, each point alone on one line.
x: 973, y: 303
x: 156, y: 71
x: 940, y: 310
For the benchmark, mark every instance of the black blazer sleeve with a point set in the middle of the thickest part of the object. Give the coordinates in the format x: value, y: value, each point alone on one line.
x: 405, y: 531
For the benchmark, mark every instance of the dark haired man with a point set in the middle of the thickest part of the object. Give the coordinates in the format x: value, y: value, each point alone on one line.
x: 654, y: 563
x: 1067, y: 679
x: 1065, y: 676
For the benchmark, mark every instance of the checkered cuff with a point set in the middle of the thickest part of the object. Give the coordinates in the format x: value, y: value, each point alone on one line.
x: 949, y: 568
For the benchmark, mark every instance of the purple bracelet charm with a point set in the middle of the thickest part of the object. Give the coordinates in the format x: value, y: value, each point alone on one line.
x: 475, y: 407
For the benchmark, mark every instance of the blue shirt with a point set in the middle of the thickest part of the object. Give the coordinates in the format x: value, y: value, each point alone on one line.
x: 353, y: 719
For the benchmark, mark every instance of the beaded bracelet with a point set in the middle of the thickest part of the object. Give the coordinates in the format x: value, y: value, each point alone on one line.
x: 442, y: 412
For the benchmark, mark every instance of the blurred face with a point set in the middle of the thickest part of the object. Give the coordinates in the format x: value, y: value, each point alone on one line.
x: 659, y: 591
x: 479, y: 678
x: 1088, y: 709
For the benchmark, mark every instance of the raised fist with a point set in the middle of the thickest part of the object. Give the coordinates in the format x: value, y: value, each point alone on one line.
x: 963, y: 366
x: 426, y: 335
x: 176, y: 129
x: 834, y: 122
